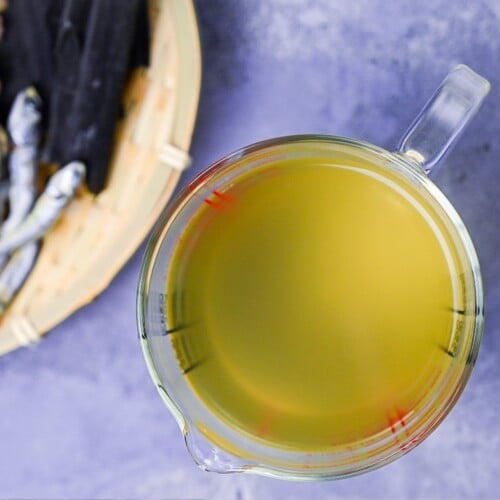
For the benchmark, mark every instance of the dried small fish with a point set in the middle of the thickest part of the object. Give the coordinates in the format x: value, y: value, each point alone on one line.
x: 23, y: 125
x: 16, y: 271
x: 60, y: 190
x: 23, y: 122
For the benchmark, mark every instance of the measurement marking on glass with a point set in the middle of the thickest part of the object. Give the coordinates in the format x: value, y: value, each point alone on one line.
x: 265, y: 426
x: 178, y: 328
x: 213, y: 204
x: 458, y: 311
x: 401, y: 415
x: 398, y: 420
x: 223, y: 196
x: 193, y: 366
x: 447, y: 351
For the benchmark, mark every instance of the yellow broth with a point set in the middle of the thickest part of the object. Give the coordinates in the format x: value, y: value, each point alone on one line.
x: 310, y: 305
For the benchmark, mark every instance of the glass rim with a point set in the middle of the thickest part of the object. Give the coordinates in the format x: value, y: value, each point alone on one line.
x: 161, y: 229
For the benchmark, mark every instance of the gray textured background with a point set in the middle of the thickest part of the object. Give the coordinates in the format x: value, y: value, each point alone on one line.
x: 80, y: 417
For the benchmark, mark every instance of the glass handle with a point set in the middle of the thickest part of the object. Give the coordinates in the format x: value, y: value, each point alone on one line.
x: 444, y: 117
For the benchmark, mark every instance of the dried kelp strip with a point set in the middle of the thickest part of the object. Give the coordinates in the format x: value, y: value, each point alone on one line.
x: 68, y: 54
x: 139, y: 54
x: 104, y: 66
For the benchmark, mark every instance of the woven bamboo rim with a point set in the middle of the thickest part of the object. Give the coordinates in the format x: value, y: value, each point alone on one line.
x: 98, y: 234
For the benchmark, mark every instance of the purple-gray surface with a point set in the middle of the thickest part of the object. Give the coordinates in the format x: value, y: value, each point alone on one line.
x: 80, y: 416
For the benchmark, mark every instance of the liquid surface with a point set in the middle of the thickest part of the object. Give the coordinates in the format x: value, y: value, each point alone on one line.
x: 310, y: 305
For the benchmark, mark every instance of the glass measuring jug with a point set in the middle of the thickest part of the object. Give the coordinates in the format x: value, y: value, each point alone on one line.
x: 311, y: 307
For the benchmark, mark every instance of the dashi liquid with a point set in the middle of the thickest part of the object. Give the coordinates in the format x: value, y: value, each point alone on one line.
x: 310, y: 305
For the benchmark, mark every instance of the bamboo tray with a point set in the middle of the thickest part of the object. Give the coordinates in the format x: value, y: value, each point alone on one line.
x: 98, y: 234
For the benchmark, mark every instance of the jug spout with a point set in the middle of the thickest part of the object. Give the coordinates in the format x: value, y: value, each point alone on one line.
x: 210, y: 457
x: 444, y: 117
